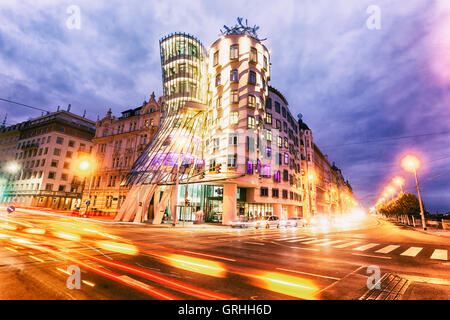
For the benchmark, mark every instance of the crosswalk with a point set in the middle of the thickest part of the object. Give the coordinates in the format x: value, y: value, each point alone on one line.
x: 361, y: 246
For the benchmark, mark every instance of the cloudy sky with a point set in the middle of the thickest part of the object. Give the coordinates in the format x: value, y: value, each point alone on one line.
x: 369, y: 95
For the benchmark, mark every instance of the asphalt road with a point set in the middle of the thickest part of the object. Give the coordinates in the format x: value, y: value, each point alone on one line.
x: 124, y: 261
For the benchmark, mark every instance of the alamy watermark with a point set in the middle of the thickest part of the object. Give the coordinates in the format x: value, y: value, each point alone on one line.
x: 373, y: 281
x: 74, y: 20
x: 373, y: 22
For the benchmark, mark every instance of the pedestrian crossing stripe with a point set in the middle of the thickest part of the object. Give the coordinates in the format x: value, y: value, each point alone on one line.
x: 301, y: 240
x: 330, y: 242
x: 366, y: 247
x: 412, y: 252
x: 345, y: 245
x: 440, y: 254
x: 284, y: 239
x: 388, y: 249
x: 315, y: 241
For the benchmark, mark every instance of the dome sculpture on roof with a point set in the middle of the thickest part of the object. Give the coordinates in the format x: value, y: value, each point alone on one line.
x: 240, y: 28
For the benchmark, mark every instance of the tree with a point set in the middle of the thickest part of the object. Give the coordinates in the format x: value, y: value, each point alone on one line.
x: 405, y: 204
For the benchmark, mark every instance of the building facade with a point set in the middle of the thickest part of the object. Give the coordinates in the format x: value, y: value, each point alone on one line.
x: 36, y: 160
x: 117, y: 144
x: 228, y: 146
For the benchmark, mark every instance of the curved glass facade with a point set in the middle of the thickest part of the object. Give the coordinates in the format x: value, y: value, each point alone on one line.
x: 184, y: 70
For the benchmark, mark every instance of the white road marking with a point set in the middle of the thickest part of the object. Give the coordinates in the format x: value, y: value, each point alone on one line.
x: 310, y: 274
x: 258, y: 243
x: 330, y: 242
x: 368, y: 255
x: 209, y: 255
x: 412, y: 252
x: 345, y: 245
x: 302, y: 240
x: 284, y: 239
x: 440, y: 254
x: 367, y: 246
x: 388, y: 249
x: 316, y: 241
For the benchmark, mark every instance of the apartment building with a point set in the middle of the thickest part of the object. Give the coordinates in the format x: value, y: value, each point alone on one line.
x: 36, y: 158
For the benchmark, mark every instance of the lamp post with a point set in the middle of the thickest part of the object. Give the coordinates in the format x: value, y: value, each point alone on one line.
x: 411, y: 163
x: 399, y: 181
x: 391, y: 190
x: 85, y: 166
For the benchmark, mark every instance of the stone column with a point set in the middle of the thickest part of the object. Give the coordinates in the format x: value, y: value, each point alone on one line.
x: 290, y: 211
x: 229, y: 203
x: 277, y: 210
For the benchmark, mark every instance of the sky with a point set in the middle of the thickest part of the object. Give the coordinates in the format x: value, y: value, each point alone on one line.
x: 370, y: 95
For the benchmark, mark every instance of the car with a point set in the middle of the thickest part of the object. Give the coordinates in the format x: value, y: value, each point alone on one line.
x: 240, y: 224
x: 292, y: 222
x: 267, y: 222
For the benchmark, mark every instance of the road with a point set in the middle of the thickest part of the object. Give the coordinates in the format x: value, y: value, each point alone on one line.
x: 125, y: 261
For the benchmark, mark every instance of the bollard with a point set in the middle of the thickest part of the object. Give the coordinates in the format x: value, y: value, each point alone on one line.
x: 414, y: 222
x: 407, y: 217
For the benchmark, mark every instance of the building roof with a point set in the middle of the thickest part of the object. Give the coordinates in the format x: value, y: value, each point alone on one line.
x: 278, y: 93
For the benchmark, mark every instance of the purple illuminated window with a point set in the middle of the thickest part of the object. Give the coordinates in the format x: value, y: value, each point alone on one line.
x: 249, y: 167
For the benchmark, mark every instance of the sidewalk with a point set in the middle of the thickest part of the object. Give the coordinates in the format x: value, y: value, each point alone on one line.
x: 430, y: 229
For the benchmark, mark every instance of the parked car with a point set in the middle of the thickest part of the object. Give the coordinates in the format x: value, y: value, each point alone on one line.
x: 292, y: 222
x: 267, y: 222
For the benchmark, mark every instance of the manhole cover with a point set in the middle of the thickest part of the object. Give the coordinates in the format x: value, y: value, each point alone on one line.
x: 392, y: 287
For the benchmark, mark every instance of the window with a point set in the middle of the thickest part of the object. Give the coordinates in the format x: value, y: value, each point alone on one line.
x: 250, y: 144
x: 285, y: 175
x: 285, y: 194
x: 48, y: 139
x: 268, y: 118
x: 216, y: 144
x: 69, y: 154
x: 219, y: 102
x: 275, y: 193
x: 269, y: 103
x: 286, y: 142
x: 277, y: 176
x: 251, y: 101
x: 54, y: 163
x: 234, y: 52
x: 264, y: 192
x: 57, y: 152
x: 234, y: 77
x: 51, y: 175
x: 46, y: 150
x: 253, y: 55
x: 61, y: 188
x: 250, y: 122
x: 252, y: 77
x: 64, y: 177
x: 43, y: 162
x: 218, y: 79
x: 71, y: 143
x: 265, y: 63
x: 283, y: 111
x: 216, y: 58
x: 249, y: 166
x: 269, y: 135
x: 278, y: 124
x: 232, y: 139
x: 48, y: 187
x: 232, y: 160
x: 59, y: 140
x: 234, y: 117
x: 286, y: 158
x: 234, y: 96
x: 269, y: 153
x: 280, y: 142
x: 277, y: 106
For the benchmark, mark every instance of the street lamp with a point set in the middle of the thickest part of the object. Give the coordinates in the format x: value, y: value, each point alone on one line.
x: 399, y: 181
x: 13, y: 167
x: 85, y: 166
x: 390, y: 190
x: 411, y: 163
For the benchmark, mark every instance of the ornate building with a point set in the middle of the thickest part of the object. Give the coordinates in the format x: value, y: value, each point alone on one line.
x: 36, y: 158
x: 117, y: 144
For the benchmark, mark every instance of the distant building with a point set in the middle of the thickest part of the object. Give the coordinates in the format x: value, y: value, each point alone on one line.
x: 36, y: 157
x: 117, y: 144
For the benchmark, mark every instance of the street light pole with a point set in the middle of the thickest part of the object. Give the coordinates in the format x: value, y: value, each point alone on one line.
x: 420, y: 201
